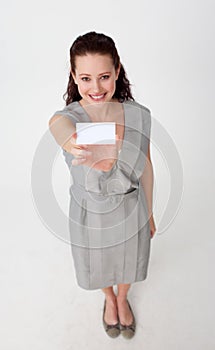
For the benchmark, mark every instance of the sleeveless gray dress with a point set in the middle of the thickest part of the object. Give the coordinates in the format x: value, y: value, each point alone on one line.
x: 108, y: 216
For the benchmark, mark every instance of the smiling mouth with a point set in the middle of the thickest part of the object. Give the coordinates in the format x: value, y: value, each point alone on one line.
x: 97, y: 97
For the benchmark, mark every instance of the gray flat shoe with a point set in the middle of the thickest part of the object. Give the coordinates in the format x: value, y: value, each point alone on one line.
x: 128, y: 331
x: 113, y: 330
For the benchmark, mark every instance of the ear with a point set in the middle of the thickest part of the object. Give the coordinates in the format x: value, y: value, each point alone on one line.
x: 74, y: 78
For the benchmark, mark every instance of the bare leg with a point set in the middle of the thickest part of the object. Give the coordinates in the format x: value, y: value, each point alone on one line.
x: 124, y: 312
x: 111, y: 306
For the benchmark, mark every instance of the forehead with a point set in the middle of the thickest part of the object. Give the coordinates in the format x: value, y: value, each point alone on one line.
x: 93, y: 63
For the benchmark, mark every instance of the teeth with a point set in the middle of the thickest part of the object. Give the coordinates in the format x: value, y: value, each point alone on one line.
x: 97, y: 97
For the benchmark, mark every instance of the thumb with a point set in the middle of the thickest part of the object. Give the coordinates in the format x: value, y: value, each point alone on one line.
x: 80, y: 146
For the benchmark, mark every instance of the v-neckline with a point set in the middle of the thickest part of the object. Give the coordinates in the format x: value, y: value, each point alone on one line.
x: 125, y: 129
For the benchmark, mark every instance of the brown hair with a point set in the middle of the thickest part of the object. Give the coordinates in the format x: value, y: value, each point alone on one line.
x: 94, y: 43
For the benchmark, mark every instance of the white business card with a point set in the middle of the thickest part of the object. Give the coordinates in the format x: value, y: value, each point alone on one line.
x: 96, y: 133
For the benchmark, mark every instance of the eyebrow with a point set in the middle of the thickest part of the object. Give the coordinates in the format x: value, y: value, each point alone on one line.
x: 99, y: 74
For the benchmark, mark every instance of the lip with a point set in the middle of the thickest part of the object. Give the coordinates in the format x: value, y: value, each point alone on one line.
x: 98, y: 99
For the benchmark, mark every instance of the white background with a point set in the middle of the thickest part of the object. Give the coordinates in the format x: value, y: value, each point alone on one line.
x: 167, y: 49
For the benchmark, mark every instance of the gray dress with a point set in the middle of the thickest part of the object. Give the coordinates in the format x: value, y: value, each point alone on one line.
x: 108, y: 216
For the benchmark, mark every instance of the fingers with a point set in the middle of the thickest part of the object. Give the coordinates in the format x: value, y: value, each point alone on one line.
x: 79, y: 145
x: 73, y: 141
x: 81, y: 156
x: 81, y: 153
x: 78, y: 161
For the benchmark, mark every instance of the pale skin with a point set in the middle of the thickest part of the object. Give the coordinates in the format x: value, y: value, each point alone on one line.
x: 96, y: 75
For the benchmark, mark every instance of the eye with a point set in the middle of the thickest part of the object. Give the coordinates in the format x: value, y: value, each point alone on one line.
x: 84, y: 78
x: 106, y: 76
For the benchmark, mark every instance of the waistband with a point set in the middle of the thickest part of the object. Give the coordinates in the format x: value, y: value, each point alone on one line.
x: 95, y: 199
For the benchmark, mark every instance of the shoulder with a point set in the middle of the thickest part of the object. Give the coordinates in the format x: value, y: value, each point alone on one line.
x: 145, y: 111
x: 69, y: 111
x: 137, y: 104
x: 145, y: 115
x: 71, y: 107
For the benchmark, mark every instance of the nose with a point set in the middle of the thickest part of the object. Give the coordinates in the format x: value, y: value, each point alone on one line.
x: 96, y: 86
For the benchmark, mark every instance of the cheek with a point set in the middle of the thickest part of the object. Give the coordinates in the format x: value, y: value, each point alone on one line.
x: 83, y: 87
x: 110, y: 85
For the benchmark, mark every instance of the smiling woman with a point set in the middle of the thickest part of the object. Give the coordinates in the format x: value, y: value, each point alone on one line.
x: 99, y: 83
x: 96, y: 44
x: 109, y: 210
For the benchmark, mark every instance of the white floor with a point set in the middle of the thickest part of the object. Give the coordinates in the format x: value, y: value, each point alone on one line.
x: 43, y: 308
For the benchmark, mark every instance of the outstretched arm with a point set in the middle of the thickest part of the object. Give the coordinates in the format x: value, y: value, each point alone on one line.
x: 102, y: 157
x: 63, y: 131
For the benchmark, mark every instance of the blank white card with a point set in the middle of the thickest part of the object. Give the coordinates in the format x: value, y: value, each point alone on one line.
x: 96, y: 133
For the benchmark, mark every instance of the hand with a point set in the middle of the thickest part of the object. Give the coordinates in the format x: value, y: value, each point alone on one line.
x: 80, y: 152
x: 152, y: 226
x: 101, y: 157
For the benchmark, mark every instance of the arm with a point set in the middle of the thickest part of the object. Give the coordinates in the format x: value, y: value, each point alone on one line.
x: 102, y: 158
x: 146, y: 180
x: 63, y: 131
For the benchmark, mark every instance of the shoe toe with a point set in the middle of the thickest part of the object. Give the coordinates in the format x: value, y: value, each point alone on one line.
x: 128, y: 331
x: 112, y: 330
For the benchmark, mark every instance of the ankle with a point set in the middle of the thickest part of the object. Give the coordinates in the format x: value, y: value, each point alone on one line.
x: 110, y: 298
x: 121, y: 298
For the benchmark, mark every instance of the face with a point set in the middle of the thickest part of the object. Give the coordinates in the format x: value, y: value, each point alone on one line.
x: 96, y: 78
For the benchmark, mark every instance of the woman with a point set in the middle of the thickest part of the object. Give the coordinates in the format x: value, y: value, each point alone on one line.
x: 110, y: 243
